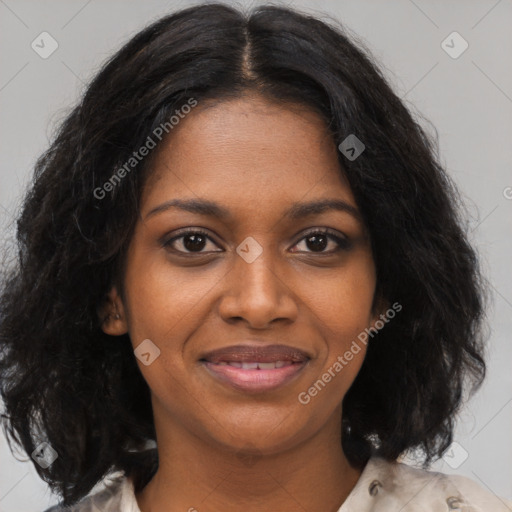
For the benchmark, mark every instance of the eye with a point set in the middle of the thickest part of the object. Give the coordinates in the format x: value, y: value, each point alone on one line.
x: 188, y: 242
x: 317, y: 240
x: 195, y: 241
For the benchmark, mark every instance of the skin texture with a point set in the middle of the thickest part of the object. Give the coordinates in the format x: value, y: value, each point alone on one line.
x: 222, y: 448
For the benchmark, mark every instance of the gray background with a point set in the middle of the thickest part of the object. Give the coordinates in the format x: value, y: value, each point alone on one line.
x: 468, y: 100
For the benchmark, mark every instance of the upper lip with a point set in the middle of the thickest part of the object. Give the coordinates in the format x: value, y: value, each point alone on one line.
x: 256, y: 353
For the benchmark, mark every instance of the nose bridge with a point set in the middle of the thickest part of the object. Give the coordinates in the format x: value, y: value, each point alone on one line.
x: 256, y: 290
x: 255, y: 272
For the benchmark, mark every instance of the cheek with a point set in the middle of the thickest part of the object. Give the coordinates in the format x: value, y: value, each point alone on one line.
x: 342, y: 301
x: 342, y: 312
x: 164, y: 304
x: 164, y: 299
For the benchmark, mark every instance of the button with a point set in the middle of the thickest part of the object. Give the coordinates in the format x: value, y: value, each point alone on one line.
x: 454, y: 503
x: 374, y: 487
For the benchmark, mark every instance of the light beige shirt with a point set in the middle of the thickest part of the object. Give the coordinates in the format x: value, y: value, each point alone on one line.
x: 382, y: 487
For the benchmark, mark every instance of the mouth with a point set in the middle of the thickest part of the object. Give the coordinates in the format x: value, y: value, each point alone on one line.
x: 254, y: 368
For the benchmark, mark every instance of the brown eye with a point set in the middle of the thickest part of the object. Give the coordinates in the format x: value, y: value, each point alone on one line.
x: 318, y: 241
x: 189, y: 242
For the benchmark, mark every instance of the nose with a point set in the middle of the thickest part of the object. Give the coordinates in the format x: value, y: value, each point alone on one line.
x: 257, y: 294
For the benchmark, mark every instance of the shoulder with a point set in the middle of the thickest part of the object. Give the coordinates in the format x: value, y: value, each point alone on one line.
x: 388, y: 485
x: 116, y: 495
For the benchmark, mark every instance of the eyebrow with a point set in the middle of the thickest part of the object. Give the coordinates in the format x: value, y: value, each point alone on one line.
x: 295, y: 212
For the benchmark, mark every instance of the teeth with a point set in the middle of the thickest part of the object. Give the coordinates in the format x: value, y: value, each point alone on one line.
x: 267, y: 366
x: 256, y: 365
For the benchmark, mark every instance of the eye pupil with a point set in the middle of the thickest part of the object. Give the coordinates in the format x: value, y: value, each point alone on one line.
x: 194, y: 242
x: 317, y: 242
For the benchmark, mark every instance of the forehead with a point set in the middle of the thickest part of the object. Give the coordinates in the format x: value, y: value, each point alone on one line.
x: 247, y: 152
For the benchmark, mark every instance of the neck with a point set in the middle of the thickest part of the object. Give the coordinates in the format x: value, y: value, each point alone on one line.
x: 199, y: 476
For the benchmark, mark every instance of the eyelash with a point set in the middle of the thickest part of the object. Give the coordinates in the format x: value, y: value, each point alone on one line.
x: 343, y: 243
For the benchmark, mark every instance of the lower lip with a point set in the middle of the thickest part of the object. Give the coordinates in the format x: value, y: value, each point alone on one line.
x: 254, y: 380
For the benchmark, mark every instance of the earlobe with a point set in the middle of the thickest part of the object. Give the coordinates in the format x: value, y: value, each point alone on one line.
x: 381, y: 306
x: 111, y: 314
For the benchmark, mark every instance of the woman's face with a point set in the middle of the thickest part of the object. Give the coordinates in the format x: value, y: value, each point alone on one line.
x: 255, y: 277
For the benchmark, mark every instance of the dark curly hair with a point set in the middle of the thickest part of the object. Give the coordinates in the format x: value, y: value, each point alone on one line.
x: 64, y: 381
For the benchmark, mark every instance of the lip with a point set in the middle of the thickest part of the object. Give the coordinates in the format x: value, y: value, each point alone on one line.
x: 257, y: 353
x: 255, y: 380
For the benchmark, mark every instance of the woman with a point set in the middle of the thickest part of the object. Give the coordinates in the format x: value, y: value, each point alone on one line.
x: 241, y: 247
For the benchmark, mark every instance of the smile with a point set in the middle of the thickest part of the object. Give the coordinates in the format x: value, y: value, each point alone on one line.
x: 255, y: 368
x: 256, y: 365
x: 252, y: 376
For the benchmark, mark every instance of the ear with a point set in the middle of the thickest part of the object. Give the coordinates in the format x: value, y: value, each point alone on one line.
x: 112, y: 315
x: 380, y: 306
